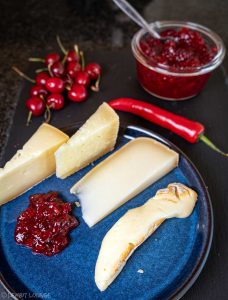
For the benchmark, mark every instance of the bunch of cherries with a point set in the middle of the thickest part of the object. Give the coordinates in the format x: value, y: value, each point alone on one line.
x: 61, y: 76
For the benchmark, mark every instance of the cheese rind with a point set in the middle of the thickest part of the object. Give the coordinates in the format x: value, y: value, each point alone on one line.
x: 121, y: 176
x: 32, y: 164
x: 133, y: 228
x: 94, y: 139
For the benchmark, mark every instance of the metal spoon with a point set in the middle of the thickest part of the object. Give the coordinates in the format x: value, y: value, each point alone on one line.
x: 129, y: 10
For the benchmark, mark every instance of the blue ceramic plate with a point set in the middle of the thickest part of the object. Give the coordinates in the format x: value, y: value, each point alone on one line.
x: 171, y: 258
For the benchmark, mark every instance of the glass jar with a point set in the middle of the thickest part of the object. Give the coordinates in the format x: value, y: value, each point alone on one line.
x: 166, y: 82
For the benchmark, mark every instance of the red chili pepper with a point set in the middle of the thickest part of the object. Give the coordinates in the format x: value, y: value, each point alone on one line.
x: 190, y: 130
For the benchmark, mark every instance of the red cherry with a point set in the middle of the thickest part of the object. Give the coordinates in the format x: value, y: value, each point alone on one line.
x: 68, y: 81
x: 55, y: 85
x: 42, y: 78
x: 72, y: 68
x: 78, y: 93
x: 72, y: 56
x: 51, y: 58
x: 55, y: 101
x: 38, y: 90
x: 82, y: 78
x: 94, y: 70
x: 57, y: 69
x: 36, y: 106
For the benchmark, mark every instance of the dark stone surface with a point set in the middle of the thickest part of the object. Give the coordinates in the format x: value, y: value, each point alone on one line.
x: 29, y: 27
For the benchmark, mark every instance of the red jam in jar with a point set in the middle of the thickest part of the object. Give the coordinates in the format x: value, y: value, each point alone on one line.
x: 178, y: 66
x: 45, y: 224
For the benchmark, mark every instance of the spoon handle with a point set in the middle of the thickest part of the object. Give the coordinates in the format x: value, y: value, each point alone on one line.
x: 129, y: 10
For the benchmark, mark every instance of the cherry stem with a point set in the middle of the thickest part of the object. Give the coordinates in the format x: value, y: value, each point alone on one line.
x: 36, y: 59
x: 95, y: 87
x: 41, y: 70
x: 49, y: 70
x: 47, y: 114
x: 22, y: 74
x: 65, y: 57
x: 29, y: 118
x: 82, y: 60
x: 61, y: 45
x: 209, y: 143
x: 76, y: 49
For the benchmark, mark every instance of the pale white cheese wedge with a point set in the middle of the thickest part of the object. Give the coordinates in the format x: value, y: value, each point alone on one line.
x: 94, y: 139
x: 136, y: 226
x: 32, y: 164
x: 121, y: 176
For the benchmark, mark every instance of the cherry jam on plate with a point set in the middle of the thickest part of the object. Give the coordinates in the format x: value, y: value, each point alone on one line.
x: 178, y: 66
x: 45, y: 224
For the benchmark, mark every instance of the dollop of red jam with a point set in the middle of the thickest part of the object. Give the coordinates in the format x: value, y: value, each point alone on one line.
x: 185, y: 49
x: 186, y: 52
x: 45, y: 224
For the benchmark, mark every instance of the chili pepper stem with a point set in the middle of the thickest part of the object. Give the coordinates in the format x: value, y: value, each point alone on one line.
x: 61, y: 45
x: 22, y: 74
x: 209, y: 143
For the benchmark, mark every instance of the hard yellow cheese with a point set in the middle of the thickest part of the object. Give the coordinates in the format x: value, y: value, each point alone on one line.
x: 32, y: 164
x: 94, y: 139
x: 121, y: 176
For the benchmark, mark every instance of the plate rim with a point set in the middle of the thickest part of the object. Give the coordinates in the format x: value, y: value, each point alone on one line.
x: 187, y: 284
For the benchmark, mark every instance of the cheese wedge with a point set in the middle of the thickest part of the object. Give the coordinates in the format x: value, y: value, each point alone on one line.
x: 121, y: 176
x: 32, y: 164
x: 94, y: 139
x: 131, y: 230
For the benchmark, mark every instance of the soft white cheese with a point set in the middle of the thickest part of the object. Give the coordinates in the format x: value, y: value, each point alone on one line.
x: 121, y: 176
x: 32, y: 164
x: 94, y: 139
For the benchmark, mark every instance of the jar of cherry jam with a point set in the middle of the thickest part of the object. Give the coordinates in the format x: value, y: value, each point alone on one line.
x: 177, y: 66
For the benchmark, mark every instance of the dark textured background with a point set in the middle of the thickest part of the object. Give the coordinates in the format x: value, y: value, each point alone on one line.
x: 29, y: 27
